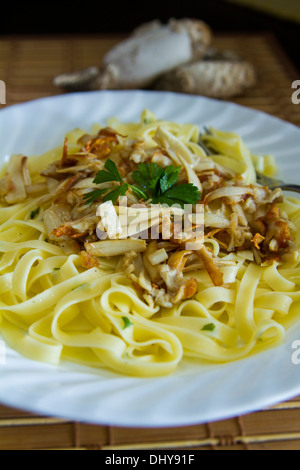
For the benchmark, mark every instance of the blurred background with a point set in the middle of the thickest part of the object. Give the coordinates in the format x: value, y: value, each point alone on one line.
x: 281, y: 17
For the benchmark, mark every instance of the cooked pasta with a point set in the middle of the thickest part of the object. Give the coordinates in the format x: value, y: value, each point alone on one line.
x: 79, y: 281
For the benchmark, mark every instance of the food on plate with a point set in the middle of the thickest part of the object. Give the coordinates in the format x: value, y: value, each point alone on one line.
x: 138, y: 245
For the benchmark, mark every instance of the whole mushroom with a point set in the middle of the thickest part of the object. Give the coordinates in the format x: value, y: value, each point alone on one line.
x: 151, y: 50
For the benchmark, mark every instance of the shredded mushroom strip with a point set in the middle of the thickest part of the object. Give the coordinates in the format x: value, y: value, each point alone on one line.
x: 130, y: 247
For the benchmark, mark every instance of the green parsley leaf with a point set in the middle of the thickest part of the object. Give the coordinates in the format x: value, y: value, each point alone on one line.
x: 182, y: 194
x: 127, y: 322
x: 169, y: 178
x: 148, y: 177
x: 115, y: 193
x: 92, y: 196
x: 111, y: 173
x: 209, y: 327
x: 160, y: 185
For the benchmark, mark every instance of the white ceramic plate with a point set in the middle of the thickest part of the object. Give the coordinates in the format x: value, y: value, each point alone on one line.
x: 195, y: 393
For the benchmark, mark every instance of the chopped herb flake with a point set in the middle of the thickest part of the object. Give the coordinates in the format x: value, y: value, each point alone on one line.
x: 209, y: 327
x: 127, y: 322
x: 34, y: 213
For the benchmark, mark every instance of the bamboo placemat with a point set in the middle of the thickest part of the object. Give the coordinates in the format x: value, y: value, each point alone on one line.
x: 27, y: 66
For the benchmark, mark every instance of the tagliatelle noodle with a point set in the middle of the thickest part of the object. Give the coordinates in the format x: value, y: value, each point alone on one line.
x: 54, y: 309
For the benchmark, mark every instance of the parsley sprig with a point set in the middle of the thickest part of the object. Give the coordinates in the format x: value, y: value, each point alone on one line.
x: 160, y: 184
x: 154, y: 183
x: 111, y: 174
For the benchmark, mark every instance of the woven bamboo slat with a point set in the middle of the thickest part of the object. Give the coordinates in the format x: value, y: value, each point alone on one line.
x: 272, y: 428
x: 27, y: 66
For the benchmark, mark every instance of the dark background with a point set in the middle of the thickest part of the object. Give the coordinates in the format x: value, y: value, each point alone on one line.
x: 110, y: 16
